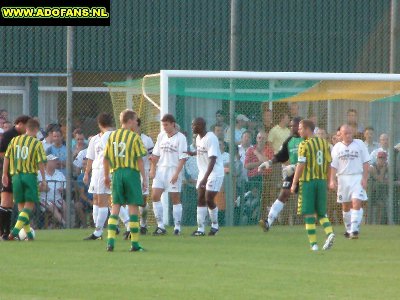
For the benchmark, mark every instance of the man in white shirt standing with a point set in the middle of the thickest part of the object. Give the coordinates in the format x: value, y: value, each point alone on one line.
x: 211, y: 176
x: 350, y: 165
x: 169, y: 157
x: 101, y: 194
x: 149, y: 145
x: 51, y: 198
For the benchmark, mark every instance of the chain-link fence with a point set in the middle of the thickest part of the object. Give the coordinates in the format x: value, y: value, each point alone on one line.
x: 144, y: 37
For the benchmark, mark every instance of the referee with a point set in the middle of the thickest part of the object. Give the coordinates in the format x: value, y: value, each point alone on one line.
x: 312, y: 173
x: 6, y: 205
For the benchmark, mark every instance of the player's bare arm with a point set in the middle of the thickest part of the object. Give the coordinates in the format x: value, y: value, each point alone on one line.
x: 153, y: 163
x: 191, y: 153
x: 333, y: 179
x: 297, y: 174
x: 211, y: 164
x: 4, y: 179
x: 107, y: 181
x: 178, y: 170
x: 43, y: 183
x: 364, y: 180
x: 88, y: 170
x: 142, y: 173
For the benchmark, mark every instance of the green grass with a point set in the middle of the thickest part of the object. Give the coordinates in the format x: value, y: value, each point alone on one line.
x: 239, y: 263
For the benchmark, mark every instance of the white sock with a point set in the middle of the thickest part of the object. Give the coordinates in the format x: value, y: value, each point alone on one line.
x: 143, y: 215
x: 214, y: 217
x: 274, y: 211
x: 158, y: 213
x: 360, y: 217
x: 95, y: 213
x: 101, y: 220
x: 124, y: 216
x: 201, y: 218
x: 177, y: 214
x: 356, y: 217
x: 347, y: 220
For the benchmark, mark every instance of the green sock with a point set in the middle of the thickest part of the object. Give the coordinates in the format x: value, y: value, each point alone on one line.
x: 23, y: 219
x: 324, y: 221
x: 112, y: 229
x: 134, y: 228
x: 311, y: 230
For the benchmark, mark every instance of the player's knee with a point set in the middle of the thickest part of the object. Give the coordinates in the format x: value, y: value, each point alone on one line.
x: 211, y: 203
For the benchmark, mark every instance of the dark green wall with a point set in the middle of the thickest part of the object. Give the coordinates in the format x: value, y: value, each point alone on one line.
x: 276, y: 35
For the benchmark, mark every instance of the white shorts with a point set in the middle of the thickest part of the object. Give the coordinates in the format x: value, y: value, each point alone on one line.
x: 213, y: 184
x: 349, y: 187
x: 163, y: 180
x: 145, y: 192
x: 97, y: 185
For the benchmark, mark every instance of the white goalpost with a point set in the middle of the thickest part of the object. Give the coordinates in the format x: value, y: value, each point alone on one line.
x: 387, y: 85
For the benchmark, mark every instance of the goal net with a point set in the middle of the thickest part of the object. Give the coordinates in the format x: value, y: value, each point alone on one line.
x: 258, y: 108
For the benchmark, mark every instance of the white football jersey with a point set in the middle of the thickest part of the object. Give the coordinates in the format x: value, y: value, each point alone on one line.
x: 149, y: 145
x: 96, y: 147
x: 349, y: 160
x: 170, y: 149
x: 206, y: 147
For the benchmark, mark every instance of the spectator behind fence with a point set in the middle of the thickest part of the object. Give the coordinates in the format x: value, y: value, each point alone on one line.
x: 379, y: 189
x: 253, y: 126
x: 369, y: 139
x: 59, y: 150
x: 267, y: 120
x: 84, y: 199
x: 48, y: 139
x: 245, y: 144
x: 280, y: 132
x: 2, y: 120
x: 294, y: 110
x: 220, y: 133
x: 4, y: 114
x: 51, y: 199
x: 255, y: 156
x: 7, y: 126
x: 352, y: 121
x: 80, y: 142
x: 313, y: 117
x: 220, y: 120
x: 241, y: 123
x: 383, y: 146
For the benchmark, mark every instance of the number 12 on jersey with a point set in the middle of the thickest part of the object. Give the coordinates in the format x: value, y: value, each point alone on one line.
x: 119, y: 149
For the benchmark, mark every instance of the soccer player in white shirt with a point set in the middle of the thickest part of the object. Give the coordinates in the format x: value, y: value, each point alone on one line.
x: 350, y: 165
x: 149, y: 145
x: 169, y: 157
x: 211, y: 176
x: 101, y: 194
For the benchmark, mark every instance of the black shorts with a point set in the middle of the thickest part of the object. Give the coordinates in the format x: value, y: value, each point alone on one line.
x: 287, y: 183
x: 8, y: 188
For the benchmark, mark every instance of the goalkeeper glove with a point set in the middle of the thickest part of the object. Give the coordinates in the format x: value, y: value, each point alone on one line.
x: 265, y: 165
x: 288, y: 171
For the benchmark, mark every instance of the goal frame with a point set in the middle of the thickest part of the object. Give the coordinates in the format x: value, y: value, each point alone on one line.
x: 165, y: 75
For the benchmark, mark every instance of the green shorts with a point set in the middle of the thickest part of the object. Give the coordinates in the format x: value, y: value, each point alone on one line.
x: 312, y: 197
x: 25, y: 187
x: 126, y: 187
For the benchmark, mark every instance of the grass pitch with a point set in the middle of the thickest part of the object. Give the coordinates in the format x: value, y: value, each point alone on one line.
x: 239, y: 263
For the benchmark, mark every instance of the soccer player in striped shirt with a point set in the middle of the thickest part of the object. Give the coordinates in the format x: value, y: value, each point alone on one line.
x: 24, y: 156
x: 7, y: 204
x: 312, y: 172
x: 123, y: 158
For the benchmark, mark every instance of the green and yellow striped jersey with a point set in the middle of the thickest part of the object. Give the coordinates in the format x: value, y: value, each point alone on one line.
x: 124, y: 148
x: 25, y: 153
x: 316, y: 156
